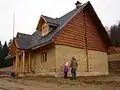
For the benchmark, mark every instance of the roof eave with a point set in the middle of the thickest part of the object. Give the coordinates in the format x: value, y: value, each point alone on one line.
x: 41, y: 45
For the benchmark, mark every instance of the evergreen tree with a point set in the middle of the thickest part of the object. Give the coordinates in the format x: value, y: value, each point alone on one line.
x: 0, y: 54
x: 10, y: 41
x: 5, y: 53
x: 115, y: 34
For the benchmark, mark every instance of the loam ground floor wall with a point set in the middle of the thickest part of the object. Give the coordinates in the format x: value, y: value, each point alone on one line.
x: 97, y: 61
x: 46, y: 66
x: 58, y: 55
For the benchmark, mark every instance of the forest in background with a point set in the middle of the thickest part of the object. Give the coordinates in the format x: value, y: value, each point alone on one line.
x: 3, y: 53
x: 114, y: 34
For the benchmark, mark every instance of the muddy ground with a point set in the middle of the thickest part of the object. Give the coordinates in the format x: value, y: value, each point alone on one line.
x: 49, y: 83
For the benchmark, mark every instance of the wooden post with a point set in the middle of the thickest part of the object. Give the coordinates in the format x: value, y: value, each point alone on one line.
x: 16, y: 62
x: 86, y: 42
x: 23, y: 61
x: 29, y: 62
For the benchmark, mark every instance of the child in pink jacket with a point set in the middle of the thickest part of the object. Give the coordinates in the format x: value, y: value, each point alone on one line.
x: 66, y: 70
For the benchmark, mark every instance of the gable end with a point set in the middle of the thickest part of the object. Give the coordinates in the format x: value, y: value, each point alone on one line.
x: 73, y: 33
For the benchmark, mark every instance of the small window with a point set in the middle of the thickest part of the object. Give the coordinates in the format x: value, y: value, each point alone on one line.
x: 43, y: 57
x: 44, y: 29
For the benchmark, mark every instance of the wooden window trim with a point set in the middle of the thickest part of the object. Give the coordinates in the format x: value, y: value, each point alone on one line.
x: 43, y: 57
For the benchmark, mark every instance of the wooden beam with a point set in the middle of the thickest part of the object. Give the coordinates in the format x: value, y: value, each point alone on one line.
x: 23, y: 61
x: 16, y: 62
x: 86, y: 42
x: 29, y: 61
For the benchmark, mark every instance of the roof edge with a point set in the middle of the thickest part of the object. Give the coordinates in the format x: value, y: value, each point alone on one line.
x: 103, y: 28
x: 39, y: 21
x: 41, y: 45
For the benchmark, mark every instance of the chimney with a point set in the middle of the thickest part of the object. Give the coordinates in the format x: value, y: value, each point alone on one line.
x: 78, y: 4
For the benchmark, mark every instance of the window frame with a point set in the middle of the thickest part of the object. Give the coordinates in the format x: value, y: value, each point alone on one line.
x: 43, y: 57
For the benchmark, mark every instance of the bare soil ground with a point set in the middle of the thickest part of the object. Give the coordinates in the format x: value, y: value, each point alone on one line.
x: 111, y: 82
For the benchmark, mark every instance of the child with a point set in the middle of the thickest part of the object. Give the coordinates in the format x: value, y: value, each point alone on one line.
x: 13, y: 75
x: 66, y: 70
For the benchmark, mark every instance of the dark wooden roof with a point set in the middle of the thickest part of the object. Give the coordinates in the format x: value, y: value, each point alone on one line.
x: 35, y: 40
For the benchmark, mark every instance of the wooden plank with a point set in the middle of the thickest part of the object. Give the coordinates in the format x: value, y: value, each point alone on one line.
x: 29, y: 61
x: 23, y: 61
x: 16, y: 63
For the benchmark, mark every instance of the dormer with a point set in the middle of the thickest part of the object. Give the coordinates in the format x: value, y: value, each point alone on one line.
x: 46, y: 24
x: 44, y: 28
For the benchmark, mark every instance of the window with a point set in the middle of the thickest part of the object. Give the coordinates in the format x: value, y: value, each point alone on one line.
x: 44, y: 29
x: 43, y: 57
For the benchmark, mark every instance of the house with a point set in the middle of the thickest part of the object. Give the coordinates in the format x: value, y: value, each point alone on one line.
x: 78, y: 33
x: 114, y: 59
x: 114, y: 53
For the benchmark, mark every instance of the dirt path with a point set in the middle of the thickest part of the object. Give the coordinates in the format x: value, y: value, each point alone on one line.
x: 82, y: 83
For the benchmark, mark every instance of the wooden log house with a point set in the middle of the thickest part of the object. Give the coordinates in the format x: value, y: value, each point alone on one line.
x: 78, y: 33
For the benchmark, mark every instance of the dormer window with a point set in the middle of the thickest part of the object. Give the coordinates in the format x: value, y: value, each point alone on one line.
x: 46, y: 24
x: 45, y: 29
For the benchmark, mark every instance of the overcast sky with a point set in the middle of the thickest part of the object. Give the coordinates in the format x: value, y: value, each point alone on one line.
x: 27, y: 13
